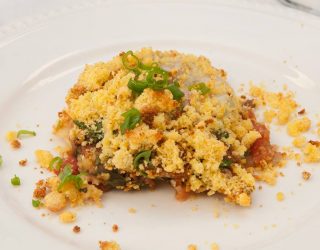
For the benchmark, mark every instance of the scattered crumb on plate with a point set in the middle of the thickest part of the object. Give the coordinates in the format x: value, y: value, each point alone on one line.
x: 132, y: 210
x: 76, y: 229
x: 115, y: 228
x: 214, y: 246
x: 280, y: 196
x: 109, y: 245
x: 23, y: 162
x: 192, y: 247
x: 306, y: 175
x: 68, y: 217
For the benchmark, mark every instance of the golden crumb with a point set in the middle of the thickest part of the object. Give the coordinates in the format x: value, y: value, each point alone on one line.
x: 109, y: 245
x: 214, y: 246
x: 298, y: 126
x: 192, y: 247
x: 43, y: 157
x: 23, y: 162
x: 299, y: 141
x: 15, y: 144
x: 280, y: 196
x: 281, y: 174
x: 306, y: 175
x: 132, y: 210
x: 76, y: 229
x: 115, y: 228
x: 11, y: 136
x: 55, y: 201
x: 68, y: 217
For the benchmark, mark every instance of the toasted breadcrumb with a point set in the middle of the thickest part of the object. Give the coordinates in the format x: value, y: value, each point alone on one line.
x: 115, y: 228
x: 192, y: 247
x: 280, y: 196
x: 299, y: 141
x: 298, y: 126
x: 311, y: 153
x: 214, y: 246
x: 11, y: 136
x: 68, y: 217
x: 15, y: 144
x: 76, y: 229
x: 306, y: 175
x: 44, y: 158
x: 23, y: 162
x: 55, y: 201
x: 132, y: 210
x: 109, y: 245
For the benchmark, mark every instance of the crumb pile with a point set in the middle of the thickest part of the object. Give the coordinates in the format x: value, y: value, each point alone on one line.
x: 152, y: 116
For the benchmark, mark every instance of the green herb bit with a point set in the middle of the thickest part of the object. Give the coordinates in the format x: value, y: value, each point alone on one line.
x: 80, y: 125
x: 131, y: 119
x: 202, y: 87
x: 94, y: 133
x: 66, y: 176
x: 157, y: 72
x: 1, y: 160
x: 221, y: 134
x: 175, y: 91
x: 15, y: 181
x: 55, y: 163
x: 225, y: 163
x: 145, y: 155
x: 25, y: 132
x: 137, y: 86
x: 36, y: 203
x: 127, y: 64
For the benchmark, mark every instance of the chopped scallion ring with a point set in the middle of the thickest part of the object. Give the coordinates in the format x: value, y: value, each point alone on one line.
x: 15, y: 181
x: 145, y: 155
x: 25, y: 132
x: 55, y: 163
x: 202, y: 87
x: 126, y: 62
x: 131, y: 118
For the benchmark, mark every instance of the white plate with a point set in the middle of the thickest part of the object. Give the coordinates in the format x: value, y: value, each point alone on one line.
x: 40, y: 59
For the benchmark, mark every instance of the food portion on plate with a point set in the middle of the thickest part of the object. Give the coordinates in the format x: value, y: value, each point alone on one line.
x: 151, y: 116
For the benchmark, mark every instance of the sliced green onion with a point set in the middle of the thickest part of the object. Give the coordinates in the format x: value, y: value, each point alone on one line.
x: 25, y: 132
x: 1, y: 160
x: 15, y: 181
x: 66, y: 176
x: 131, y: 119
x: 202, y: 87
x: 126, y: 62
x: 175, y: 91
x: 36, y: 203
x: 55, y: 163
x: 145, y: 155
x: 225, y: 163
x: 155, y: 72
x: 137, y: 86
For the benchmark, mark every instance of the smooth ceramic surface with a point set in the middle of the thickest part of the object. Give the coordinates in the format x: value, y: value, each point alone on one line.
x: 39, y: 63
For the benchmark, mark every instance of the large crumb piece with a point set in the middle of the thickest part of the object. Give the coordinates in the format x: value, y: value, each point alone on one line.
x: 280, y: 196
x: 192, y: 247
x: 43, y: 157
x: 306, y: 175
x: 311, y: 153
x: 68, y: 217
x: 55, y: 201
x: 109, y: 245
x: 298, y: 126
x: 299, y: 141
